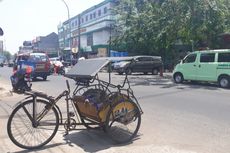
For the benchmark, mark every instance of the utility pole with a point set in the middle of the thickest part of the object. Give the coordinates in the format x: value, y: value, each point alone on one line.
x: 79, y: 35
x: 68, y: 31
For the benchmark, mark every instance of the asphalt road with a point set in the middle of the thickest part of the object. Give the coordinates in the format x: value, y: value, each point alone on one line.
x: 186, y: 118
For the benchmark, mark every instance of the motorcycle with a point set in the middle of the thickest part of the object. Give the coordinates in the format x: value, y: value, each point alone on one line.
x: 21, y: 80
x: 58, y: 68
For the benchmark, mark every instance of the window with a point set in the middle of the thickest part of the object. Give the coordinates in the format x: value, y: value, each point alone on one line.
x: 190, y: 58
x: 90, y: 39
x: 207, y: 57
x: 94, y: 15
x: 75, y: 22
x: 144, y: 59
x: 86, y: 18
x: 82, y: 20
x: 91, y: 16
x: 38, y: 58
x: 99, y: 12
x: 105, y: 10
x: 224, y: 57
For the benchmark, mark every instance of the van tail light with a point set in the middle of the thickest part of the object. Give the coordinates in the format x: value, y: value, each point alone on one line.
x: 28, y: 70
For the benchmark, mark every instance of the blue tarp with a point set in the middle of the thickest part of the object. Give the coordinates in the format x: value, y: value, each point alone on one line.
x: 118, y: 54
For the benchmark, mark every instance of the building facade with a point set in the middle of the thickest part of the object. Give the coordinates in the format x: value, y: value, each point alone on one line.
x: 88, y: 32
x: 46, y: 44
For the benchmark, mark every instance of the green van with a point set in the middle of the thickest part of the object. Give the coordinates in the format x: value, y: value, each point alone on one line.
x: 208, y: 65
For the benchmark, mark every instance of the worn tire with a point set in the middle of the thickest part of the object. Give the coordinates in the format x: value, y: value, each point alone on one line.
x: 224, y: 82
x: 44, y: 78
x: 21, y: 130
x: 178, y: 78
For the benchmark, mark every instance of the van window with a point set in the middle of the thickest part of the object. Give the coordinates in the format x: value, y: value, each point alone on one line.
x: 23, y: 58
x: 144, y: 59
x: 207, y: 57
x: 190, y: 58
x: 224, y: 57
x: 38, y: 58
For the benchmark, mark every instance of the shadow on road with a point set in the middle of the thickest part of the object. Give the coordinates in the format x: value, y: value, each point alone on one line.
x: 167, y: 82
x: 88, y: 140
x: 92, y: 140
x: 41, y: 149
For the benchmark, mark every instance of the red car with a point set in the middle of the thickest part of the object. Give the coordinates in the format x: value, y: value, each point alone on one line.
x: 39, y: 62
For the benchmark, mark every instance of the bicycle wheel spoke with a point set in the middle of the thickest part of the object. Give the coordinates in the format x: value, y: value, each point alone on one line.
x: 28, y: 114
x: 24, y: 133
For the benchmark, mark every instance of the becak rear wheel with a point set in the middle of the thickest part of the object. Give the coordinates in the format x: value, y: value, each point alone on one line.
x: 123, y: 122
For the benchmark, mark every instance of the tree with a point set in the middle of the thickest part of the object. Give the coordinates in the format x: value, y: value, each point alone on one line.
x: 7, y: 54
x: 153, y: 27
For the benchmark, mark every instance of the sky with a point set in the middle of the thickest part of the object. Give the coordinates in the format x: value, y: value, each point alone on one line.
x: 26, y: 19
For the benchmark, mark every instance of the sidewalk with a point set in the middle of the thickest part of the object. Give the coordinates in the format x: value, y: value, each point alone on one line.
x: 5, y: 89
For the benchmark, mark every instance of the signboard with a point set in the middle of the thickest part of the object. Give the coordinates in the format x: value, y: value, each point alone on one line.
x: 102, y: 52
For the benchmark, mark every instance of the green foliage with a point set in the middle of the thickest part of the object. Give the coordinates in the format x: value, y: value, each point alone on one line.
x: 7, y: 54
x: 150, y: 27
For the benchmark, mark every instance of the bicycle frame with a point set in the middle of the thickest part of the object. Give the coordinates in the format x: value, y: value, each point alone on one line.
x: 80, y: 84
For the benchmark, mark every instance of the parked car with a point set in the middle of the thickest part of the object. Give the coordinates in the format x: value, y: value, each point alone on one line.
x: 144, y: 64
x: 209, y: 65
x: 11, y: 63
x: 38, y: 61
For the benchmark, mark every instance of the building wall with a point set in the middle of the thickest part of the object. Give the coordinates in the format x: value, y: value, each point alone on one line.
x: 101, y: 37
x: 48, y: 44
x: 94, y: 22
x: 83, y: 41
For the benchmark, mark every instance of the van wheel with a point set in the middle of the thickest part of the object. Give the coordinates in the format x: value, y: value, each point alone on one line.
x: 223, y: 81
x: 178, y: 78
x: 44, y: 78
